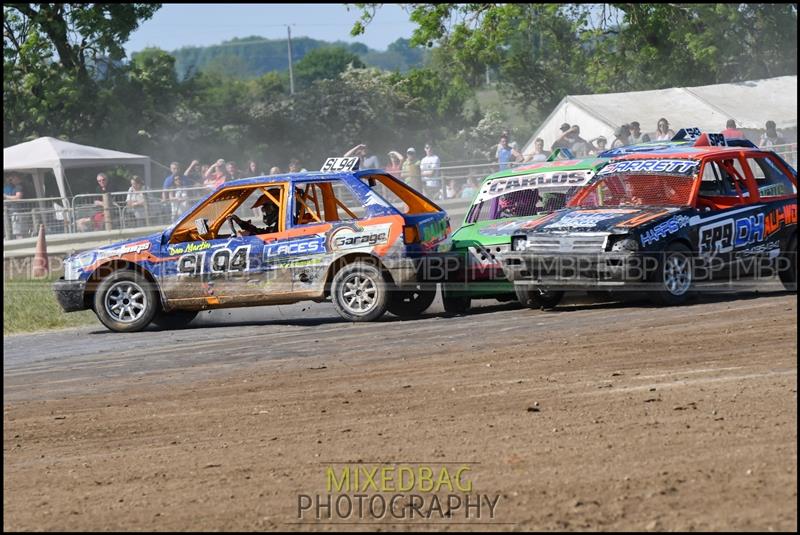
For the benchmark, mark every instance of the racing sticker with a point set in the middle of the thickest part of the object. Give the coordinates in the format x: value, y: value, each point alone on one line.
x: 778, y: 218
x: 678, y: 167
x: 565, y: 179
x: 664, y: 229
x: 124, y: 249
x: 724, y: 235
x: 354, y: 237
x: 295, y: 246
x: 221, y: 261
x: 586, y: 218
x: 184, y: 248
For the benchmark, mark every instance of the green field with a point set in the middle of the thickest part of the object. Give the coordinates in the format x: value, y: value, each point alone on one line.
x: 30, y: 305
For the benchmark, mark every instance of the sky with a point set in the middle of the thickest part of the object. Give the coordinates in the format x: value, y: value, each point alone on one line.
x: 177, y: 25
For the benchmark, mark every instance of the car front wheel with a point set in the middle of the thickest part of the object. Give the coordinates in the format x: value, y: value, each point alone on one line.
x: 126, y: 301
x: 412, y: 300
x: 674, y: 276
x: 455, y: 304
x: 533, y: 297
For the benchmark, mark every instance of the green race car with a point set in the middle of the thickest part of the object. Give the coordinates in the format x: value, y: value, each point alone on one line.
x: 504, y: 204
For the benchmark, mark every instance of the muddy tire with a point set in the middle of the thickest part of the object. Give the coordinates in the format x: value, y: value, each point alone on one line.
x: 174, y: 320
x: 674, y: 276
x: 126, y: 301
x: 359, y: 292
x: 788, y: 259
x: 533, y: 297
x: 412, y: 300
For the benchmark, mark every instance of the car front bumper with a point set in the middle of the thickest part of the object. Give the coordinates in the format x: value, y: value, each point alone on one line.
x: 577, y: 271
x: 70, y: 294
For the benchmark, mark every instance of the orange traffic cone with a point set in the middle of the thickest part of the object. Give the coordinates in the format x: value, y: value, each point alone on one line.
x: 41, y: 265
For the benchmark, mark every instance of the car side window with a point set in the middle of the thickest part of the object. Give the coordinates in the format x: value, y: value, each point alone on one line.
x: 770, y: 180
x: 325, y: 201
x: 723, y: 178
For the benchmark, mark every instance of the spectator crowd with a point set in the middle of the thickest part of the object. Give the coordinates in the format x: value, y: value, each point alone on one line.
x: 184, y: 185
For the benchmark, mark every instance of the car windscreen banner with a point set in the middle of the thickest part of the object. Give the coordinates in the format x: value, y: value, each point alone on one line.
x: 556, y: 181
x: 661, y: 165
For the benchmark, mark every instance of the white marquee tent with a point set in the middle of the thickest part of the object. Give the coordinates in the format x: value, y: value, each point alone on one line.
x: 46, y: 153
x: 707, y: 107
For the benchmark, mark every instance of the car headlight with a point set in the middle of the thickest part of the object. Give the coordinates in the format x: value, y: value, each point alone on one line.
x: 446, y: 246
x: 625, y: 245
x: 72, y: 269
x: 519, y: 243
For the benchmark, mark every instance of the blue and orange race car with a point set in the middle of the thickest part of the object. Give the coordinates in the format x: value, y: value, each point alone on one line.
x: 355, y: 236
x: 665, y: 219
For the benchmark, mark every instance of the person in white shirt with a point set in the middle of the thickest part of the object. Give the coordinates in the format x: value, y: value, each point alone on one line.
x: 135, y: 200
x: 538, y: 154
x: 179, y: 197
x: 430, y: 167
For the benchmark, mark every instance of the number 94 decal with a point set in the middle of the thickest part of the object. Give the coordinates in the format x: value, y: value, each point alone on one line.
x: 221, y: 261
x: 340, y: 164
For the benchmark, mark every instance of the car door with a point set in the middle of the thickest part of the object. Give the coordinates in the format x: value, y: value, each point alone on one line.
x: 730, y: 214
x: 321, y: 209
x: 225, y: 269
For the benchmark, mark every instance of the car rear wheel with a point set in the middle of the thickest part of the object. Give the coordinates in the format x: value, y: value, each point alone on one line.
x: 359, y: 292
x: 174, y: 320
x: 412, y: 300
x: 674, y: 276
x: 126, y: 301
x: 534, y: 297
x: 788, y: 266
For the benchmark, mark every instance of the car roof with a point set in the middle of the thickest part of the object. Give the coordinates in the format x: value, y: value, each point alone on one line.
x: 687, y: 152
x: 300, y: 177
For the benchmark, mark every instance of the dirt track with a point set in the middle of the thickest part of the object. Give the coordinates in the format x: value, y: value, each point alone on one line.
x: 648, y: 418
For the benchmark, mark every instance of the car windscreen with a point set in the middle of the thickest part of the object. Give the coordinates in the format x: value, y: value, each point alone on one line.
x: 519, y: 203
x: 627, y: 189
x: 527, y: 195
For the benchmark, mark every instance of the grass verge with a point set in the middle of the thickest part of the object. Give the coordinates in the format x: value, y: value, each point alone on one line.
x: 30, y: 305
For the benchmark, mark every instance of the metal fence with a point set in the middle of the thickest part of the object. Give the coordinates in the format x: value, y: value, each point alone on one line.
x: 126, y: 209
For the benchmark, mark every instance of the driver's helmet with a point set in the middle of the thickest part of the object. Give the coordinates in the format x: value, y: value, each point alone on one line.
x: 268, y: 207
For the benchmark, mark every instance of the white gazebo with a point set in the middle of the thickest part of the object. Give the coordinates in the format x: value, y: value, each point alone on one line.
x: 749, y: 103
x: 46, y: 153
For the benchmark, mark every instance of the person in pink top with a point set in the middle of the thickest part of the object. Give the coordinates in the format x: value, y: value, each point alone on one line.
x: 731, y: 131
